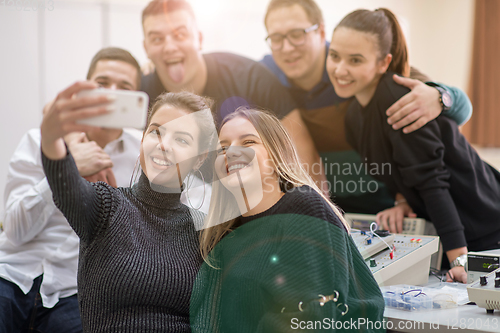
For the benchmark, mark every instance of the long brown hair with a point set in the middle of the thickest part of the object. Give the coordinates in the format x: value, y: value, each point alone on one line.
x: 190, y: 103
x: 384, y: 25
x: 286, y: 163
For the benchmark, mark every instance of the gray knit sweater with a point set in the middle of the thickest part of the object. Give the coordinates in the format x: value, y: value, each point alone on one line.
x: 139, y: 252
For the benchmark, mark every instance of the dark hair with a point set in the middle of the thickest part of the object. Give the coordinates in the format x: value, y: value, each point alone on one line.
x: 383, y: 24
x: 158, y: 7
x: 312, y: 10
x: 190, y: 103
x: 115, y: 53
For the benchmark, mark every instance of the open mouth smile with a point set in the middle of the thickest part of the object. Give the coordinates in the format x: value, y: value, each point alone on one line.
x: 236, y: 166
x: 161, y: 162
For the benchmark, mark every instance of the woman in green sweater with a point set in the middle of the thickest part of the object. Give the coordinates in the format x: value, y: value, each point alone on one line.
x: 278, y: 255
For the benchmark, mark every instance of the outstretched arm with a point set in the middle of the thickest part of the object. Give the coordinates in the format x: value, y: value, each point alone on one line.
x: 85, y: 206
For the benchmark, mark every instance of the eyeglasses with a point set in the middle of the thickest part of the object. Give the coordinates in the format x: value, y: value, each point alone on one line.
x: 296, y: 37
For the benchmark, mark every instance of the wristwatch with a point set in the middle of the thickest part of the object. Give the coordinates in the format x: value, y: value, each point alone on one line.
x: 445, y: 98
x: 459, y: 261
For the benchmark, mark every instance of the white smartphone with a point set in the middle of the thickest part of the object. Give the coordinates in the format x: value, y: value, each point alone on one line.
x: 131, y: 109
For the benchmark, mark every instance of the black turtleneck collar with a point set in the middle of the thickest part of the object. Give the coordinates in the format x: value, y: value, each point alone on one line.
x: 156, y: 195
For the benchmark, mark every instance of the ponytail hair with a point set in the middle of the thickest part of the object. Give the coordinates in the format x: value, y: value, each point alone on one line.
x: 384, y: 25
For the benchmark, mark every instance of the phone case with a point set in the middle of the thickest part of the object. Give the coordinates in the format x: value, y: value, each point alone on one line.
x: 130, y: 109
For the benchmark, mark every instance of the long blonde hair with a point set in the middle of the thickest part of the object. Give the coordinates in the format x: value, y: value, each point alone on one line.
x: 286, y: 163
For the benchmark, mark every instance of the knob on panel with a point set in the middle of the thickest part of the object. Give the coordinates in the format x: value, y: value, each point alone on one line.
x: 483, y: 280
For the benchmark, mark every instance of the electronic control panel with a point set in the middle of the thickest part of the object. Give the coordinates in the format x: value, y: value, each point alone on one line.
x: 485, y: 292
x: 401, y: 259
x: 369, y: 246
x: 411, y: 226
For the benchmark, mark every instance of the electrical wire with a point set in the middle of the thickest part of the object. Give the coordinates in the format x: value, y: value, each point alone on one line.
x: 374, y: 234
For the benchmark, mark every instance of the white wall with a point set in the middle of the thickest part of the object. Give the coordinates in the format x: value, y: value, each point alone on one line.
x: 42, y: 52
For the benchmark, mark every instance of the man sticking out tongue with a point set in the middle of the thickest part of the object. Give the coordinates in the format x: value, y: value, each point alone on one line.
x: 173, y: 43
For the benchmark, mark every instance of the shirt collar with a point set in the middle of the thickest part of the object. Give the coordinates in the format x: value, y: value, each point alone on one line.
x: 115, y: 145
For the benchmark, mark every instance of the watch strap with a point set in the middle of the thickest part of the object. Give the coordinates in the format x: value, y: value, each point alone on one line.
x: 442, y: 91
x: 459, y: 261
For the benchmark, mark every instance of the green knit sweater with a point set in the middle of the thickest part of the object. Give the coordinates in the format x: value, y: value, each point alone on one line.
x: 291, y: 253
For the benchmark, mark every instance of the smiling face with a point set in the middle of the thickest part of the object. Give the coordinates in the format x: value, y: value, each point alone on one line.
x: 297, y: 62
x: 170, y: 147
x: 354, y: 64
x: 173, y: 43
x: 243, y: 159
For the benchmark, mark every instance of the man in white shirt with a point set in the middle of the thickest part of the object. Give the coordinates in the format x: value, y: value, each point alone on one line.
x: 38, y: 248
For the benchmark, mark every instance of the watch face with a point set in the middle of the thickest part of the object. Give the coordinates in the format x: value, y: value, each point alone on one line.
x: 446, y: 98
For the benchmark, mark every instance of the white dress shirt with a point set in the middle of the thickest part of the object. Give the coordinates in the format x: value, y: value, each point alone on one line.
x: 37, y: 239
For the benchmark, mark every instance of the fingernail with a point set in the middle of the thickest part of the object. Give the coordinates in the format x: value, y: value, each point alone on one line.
x: 110, y: 108
x: 395, y: 127
x: 389, y: 122
x: 111, y: 98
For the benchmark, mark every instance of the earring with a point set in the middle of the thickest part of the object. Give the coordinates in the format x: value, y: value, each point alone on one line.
x: 189, y: 183
x: 135, y: 172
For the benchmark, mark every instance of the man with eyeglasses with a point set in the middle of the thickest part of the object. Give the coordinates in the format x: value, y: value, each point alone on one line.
x: 296, y: 36
x: 173, y: 43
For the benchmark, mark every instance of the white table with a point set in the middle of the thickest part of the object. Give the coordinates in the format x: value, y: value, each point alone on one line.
x: 469, y: 318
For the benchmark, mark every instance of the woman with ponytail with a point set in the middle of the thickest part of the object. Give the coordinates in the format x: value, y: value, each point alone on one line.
x: 437, y: 171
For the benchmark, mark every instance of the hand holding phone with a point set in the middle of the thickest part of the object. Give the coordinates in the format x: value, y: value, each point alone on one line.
x: 61, y: 117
